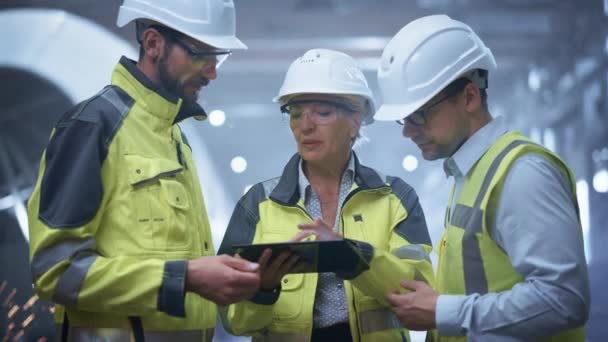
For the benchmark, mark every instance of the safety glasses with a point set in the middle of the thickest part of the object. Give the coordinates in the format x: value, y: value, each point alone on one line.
x: 320, y: 112
x: 199, y: 57
x: 420, y: 116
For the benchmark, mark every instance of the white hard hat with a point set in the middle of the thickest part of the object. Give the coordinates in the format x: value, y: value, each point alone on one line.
x: 323, y: 71
x: 423, y: 58
x: 209, y: 21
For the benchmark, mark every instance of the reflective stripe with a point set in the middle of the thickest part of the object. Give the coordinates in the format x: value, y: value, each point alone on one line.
x: 378, y: 319
x: 475, y: 280
x: 45, y: 259
x: 69, y: 285
x: 111, y: 95
x: 281, y: 337
x: 81, y: 334
x: 122, y: 102
x: 471, y: 220
x: 492, y: 170
x: 412, y: 252
x: 467, y: 218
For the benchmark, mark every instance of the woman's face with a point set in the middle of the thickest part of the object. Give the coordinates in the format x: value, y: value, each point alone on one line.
x: 322, y: 126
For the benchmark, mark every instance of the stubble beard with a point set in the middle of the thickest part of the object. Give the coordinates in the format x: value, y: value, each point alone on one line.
x: 171, y: 84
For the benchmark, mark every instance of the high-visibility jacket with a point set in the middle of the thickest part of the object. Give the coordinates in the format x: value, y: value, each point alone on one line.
x: 380, y: 214
x: 470, y: 261
x: 116, y: 211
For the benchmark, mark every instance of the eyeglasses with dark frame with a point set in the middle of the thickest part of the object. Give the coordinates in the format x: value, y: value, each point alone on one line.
x: 419, y: 117
x: 204, y: 58
x: 317, y: 116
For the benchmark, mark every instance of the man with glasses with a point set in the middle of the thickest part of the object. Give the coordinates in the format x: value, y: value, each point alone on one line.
x: 511, y: 261
x: 325, y: 191
x: 120, y: 238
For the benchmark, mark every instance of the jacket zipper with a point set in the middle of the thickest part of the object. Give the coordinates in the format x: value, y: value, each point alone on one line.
x: 350, y: 288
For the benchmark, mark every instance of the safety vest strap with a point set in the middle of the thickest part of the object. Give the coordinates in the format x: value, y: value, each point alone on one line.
x: 467, y: 218
x: 494, y: 167
x: 470, y: 219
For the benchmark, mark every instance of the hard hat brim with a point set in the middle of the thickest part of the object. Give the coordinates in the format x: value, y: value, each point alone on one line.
x: 392, y: 112
x: 228, y: 43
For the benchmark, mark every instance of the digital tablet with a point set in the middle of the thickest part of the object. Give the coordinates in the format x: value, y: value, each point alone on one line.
x: 318, y: 256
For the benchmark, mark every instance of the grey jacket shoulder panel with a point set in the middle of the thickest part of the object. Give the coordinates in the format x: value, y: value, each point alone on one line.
x: 413, y: 228
x: 246, y: 216
x: 71, y: 189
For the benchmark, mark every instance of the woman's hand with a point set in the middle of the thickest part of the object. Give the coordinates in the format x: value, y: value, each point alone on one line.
x: 318, y: 228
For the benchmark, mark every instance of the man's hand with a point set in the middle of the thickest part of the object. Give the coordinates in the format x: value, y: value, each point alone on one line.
x: 223, y: 279
x: 272, y: 271
x: 416, y: 309
x: 319, y: 228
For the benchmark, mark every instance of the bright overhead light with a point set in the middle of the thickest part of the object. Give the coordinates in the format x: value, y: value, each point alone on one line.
x: 534, y: 79
x: 217, y: 117
x: 600, y: 181
x: 238, y: 164
x: 410, y: 163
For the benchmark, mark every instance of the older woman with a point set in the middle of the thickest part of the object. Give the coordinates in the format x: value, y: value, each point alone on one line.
x: 325, y: 191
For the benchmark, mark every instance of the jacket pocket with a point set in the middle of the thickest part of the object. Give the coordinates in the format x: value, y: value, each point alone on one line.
x: 290, y: 303
x: 159, y: 203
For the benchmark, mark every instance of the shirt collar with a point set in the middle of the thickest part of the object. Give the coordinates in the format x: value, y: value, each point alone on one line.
x: 461, y: 162
x: 287, y: 191
x: 304, y: 184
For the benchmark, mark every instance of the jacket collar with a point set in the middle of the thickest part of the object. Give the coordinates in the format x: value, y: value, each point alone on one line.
x: 154, y: 98
x: 287, y: 191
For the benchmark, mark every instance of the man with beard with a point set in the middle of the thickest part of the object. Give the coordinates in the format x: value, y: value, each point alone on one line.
x: 120, y: 240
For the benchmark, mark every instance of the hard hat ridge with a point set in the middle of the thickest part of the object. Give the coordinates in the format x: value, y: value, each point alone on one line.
x: 324, y: 71
x: 212, y: 22
x: 423, y: 58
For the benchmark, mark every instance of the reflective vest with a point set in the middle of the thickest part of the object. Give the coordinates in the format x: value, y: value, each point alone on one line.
x: 469, y: 259
x: 382, y: 211
x: 116, y: 206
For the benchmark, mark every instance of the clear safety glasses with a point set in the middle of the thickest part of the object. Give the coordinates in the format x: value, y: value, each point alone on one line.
x: 318, y: 111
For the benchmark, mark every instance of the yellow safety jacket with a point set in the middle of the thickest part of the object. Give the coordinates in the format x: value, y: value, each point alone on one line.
x: 116, y: 211
x: 381, y: 215
x: 470, y: 261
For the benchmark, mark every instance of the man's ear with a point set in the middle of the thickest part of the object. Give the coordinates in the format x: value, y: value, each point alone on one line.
x: 472, y: 97
x: 153, y: 44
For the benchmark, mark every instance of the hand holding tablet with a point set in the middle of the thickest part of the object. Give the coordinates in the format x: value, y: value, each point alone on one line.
x: 316, y: 256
